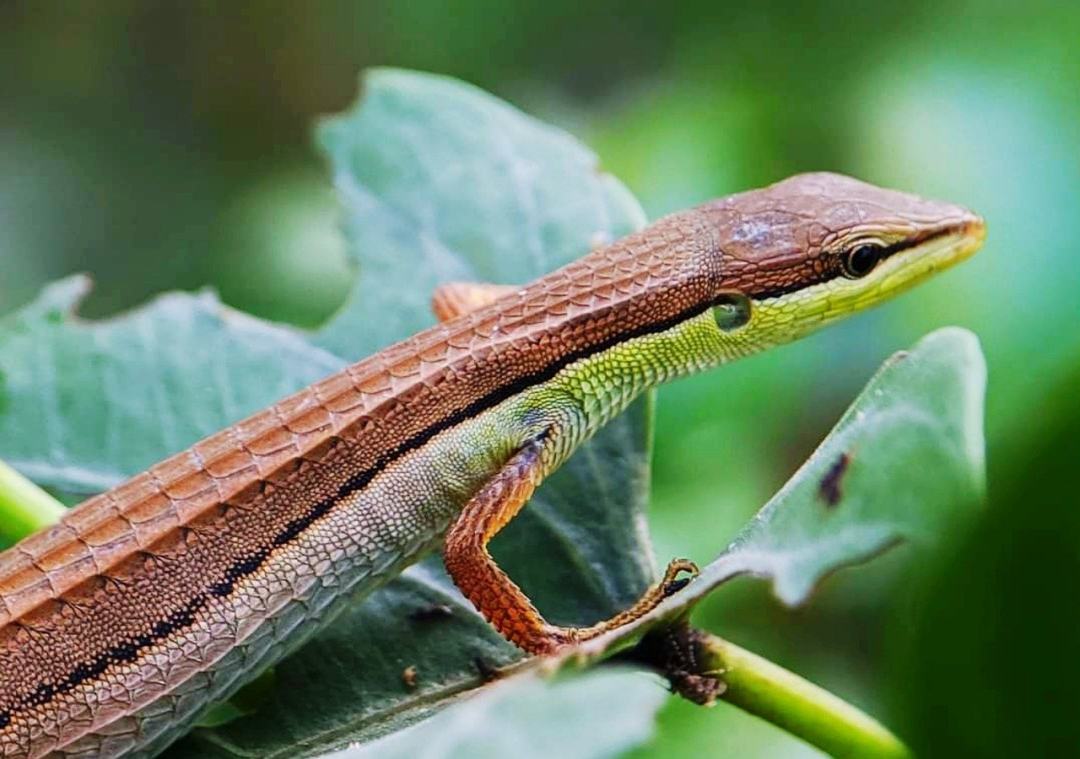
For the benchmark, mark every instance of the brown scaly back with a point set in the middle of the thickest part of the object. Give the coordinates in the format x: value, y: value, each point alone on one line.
x: 122, y: 565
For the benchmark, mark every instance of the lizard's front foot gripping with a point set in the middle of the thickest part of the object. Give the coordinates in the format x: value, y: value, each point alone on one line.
x: 495, y: 595
x: 672, y: 583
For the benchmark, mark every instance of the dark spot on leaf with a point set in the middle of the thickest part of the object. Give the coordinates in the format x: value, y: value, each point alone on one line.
x: 432, y: 613
x: 830, y: 486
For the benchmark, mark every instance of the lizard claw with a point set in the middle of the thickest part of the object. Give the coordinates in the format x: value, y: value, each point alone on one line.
x: 672, y: 582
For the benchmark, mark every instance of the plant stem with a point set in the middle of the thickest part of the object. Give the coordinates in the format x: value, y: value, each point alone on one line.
x: 24, y: 507
x: 776, y: 695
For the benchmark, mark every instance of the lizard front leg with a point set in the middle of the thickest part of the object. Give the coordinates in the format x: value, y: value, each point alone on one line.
x: 493, y: 593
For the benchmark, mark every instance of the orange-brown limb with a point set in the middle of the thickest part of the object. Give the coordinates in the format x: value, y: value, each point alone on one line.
x: 452, y: 299
x: 494, y: 594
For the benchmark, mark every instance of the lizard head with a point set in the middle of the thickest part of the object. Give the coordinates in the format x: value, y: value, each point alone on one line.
x: 814, y: 248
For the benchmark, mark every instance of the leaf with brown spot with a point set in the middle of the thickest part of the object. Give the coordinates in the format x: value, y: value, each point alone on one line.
x: 829, y: 488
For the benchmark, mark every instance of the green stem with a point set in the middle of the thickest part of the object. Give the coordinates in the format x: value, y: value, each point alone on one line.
x: 24, y: 507
x: 772, y: 693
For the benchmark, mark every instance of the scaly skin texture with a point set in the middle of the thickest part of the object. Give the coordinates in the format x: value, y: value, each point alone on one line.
x: 121, y: 623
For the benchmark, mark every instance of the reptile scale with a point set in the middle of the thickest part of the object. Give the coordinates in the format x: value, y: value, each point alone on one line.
x: 122, y: 623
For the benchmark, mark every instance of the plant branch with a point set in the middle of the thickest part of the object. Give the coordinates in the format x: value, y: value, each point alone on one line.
x: 704, y: 668
x: 24, y: 507
x: 805, y: 710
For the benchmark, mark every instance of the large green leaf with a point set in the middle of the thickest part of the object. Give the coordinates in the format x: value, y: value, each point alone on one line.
x: 897, y: 467
x: 438, y: 180
x: 87, y: 404
x: 600, y: 714
x: 905, y: 460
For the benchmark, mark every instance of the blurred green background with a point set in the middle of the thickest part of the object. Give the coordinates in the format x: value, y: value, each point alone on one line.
x: 167, y: 145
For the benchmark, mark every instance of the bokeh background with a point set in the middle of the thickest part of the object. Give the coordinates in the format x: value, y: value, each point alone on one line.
x: 168, y: 145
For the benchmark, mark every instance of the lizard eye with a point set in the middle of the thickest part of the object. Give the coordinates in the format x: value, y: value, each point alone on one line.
x: 731, y: 310
x: 861, y: 260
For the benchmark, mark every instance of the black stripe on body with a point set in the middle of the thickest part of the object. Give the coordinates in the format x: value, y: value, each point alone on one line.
x: 129, y: 649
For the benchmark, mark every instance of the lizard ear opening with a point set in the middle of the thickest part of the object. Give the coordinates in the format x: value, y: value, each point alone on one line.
x: 731, y: 310
x: 453, y: 299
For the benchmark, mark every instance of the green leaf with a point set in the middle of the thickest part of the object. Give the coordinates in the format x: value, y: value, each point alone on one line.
x: 904, y: 461
x: 90, y: 403
x: 438, y: 181
x: 597, y: 715
x: 897, y: 467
